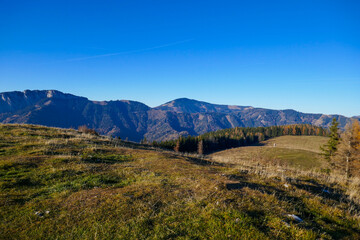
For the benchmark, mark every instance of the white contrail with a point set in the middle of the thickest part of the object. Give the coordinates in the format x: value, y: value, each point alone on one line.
x: 127, y: 52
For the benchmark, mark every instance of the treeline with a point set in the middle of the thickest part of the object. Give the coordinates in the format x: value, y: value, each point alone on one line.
x: 236, y: 137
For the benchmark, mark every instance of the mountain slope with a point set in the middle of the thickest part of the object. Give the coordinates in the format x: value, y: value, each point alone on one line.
x: 135, y: 120
x: 53, y: 108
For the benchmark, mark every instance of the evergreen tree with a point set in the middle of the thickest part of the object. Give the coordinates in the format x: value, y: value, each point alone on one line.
x: 330, y: 148
x: 144, y: 141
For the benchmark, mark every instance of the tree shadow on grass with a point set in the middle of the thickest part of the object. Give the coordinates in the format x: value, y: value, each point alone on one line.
x: 326, y: 192
x: 106, y: 159
x: 13, y: 199
x: 203, y: 162
x: 254, y: 186
x: 337, y: 229
x: 198, y: 160
x: 258, y: 218
x: 320, y: 189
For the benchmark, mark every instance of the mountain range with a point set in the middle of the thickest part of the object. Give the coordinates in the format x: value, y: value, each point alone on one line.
x: 135, y: 121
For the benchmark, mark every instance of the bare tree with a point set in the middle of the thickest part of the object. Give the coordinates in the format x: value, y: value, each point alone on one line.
x: 201, y: 147
x: 349, y: 147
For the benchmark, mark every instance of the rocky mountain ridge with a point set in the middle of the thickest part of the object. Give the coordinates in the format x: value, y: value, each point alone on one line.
x: 135, y: 120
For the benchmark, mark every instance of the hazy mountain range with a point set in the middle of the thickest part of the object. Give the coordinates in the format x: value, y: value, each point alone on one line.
x: 135, y: 120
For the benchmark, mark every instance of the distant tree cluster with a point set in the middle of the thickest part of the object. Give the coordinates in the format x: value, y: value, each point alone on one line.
x: 343, y: 148
x: 236, y: 137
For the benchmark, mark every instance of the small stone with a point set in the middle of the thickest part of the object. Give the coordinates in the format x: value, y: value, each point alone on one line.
x: 237, y: 220
x: 38, y: 213
x: 286, y: 224
x: 326, y: 191
x: 47, y: 212
x: 286, y: 185
x: 294, y: 217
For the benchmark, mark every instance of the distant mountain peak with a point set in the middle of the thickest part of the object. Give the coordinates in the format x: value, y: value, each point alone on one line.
x: 186, y: 105
x: 44, y: 93
x: 52, y: 93
x: 134, y: 120
x: 182, y: 101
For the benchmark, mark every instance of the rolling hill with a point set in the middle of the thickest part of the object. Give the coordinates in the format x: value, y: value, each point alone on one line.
x: 63, y: 184
x: 300, y: 152
x: 135, y: 121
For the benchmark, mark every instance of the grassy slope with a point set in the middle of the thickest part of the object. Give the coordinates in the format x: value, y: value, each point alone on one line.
x: 295, y: 151
x: 307, y: 143
x: 96, y: 189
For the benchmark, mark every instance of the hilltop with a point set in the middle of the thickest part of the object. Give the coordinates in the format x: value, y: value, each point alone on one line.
x: 136, y: 121
x: 185, y: 105
x: 60, y: 184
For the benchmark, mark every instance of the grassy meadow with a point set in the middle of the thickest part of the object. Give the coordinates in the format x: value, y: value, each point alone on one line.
x: 63, y: 184
x: 300, y: 152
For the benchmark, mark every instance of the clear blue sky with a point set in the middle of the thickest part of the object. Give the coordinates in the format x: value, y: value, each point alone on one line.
x: 302, y: 55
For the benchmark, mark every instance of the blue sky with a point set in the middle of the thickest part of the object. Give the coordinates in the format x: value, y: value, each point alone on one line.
x: 302, y: 55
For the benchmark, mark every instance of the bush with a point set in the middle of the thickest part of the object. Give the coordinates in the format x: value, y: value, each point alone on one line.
x: 85, y: 129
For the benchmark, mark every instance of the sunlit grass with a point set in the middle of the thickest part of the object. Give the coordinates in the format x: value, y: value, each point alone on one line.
x: 61, y: 184
x: 307, y: 143
x: 301, y: 152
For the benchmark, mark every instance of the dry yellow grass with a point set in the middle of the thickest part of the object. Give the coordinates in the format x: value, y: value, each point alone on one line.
x: 307, y: 143
x: 301, y: 152
x: 292, y: 157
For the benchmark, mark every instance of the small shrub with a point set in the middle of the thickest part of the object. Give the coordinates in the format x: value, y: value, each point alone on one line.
x: 85, y: 129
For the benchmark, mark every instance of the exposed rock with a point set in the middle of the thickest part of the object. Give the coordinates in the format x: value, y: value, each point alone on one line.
x: 295, y: 218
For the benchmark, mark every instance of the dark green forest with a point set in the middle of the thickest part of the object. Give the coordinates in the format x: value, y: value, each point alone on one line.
x: 236, y: 137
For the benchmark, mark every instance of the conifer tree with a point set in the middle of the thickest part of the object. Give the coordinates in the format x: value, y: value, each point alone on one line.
x: 144, y: 141
x: 330, y: 148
